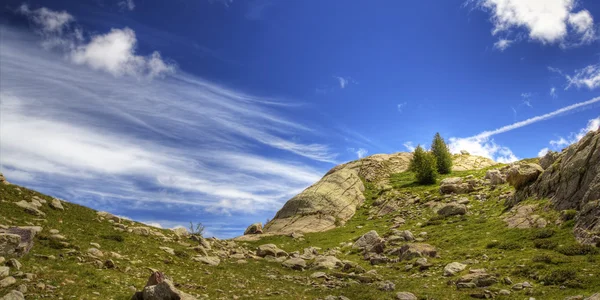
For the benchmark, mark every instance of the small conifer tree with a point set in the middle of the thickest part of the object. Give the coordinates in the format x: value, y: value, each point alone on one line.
x: 423, y: 164
x: 442, y: 154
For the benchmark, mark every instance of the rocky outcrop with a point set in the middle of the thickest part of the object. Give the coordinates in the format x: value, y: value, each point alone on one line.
x: 255, y: 228
x: 333, y: 200
x: 3, y: 180
x: 495, y: 177
x: 328, y: 203
x: 548, y: 159
x: 520, y: 175
x: 572, y: 181
x: 455, y: 185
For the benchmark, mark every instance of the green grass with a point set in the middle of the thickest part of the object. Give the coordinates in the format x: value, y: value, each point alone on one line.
x: 480, y: 235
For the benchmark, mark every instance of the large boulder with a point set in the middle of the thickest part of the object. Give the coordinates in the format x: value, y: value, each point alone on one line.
x: 452, y: 268
x: 326, y: 262
x: 13, y: 295
x: 295, y: 263
x: 520, y: 175
x: 56, y: 204
x: 455, y: 185
x: 255, y: 228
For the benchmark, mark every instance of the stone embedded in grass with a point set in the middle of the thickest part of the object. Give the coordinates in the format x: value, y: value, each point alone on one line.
x: 452, y: 209
x: 455, y: 185
x: 167, y: 249
x: 30, y: 208
x: 369, y: 242
x: 14, y: 264
x: 4, y: 271
x: 159, y: 288
x: 386, y: 286
x: 209, y: 260
x: 270, y: 249
x: 415, y: 250
x: 326, y: 262
x: 452, y: 268
x: 405, y: 296
x: 295, y: 263
x: 56, y: 204
x: 8, y: 281
x: 14, y: 295
x: 95, y: 252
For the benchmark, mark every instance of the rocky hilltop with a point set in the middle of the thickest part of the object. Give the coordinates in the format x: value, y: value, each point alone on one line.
x: 333, y: 200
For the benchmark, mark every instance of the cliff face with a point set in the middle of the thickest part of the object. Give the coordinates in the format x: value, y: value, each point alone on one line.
x: 571, y: 180
x: 334, y: 199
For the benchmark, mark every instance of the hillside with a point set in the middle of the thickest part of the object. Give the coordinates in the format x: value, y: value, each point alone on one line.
x: 484, y: 231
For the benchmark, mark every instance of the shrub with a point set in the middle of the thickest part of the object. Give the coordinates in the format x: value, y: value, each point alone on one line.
x: 545, y: 244
x: 439, y: 149
x: 509, y: 246
x: 114, y: 237
x: 543, y: 258
x: 568, y: 214
x: 577, y: 249
x: 560, y: 276
x: 543, y: 233
x: 198, y: 230
x: 423, y: 164
x: 492, y: 244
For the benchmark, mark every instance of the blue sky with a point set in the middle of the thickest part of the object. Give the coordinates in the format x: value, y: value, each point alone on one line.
x: 219, y: 111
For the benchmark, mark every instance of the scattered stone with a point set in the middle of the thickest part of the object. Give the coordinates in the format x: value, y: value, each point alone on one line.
x: 455, y: 185
x: 406, y: 296
x: 295, y: 263
x: 168, y: 250
x: 318, y: 275
x: 523, y: 216
x: 143, y: 231
x: 369, y: 242
x: 452, y: 209
x: 8, y: 281
x: 479, y: 279
x: 109, y: 264
x: 95, y: 245
x: 159, y: 288
x: 56, y: 204
x: 95, y: 252
x: 415, y: 250
x: 13, y: 295
x: 109, y: 216
x: 270, y: 249
x: 504, y: 292
x: 452, y: 268
x: 326, y: 262
x: 13, y: 263
x: 386, y: 286
x: 4, y: 271
x: 495, y: 177
x: 255, y: 228
x: 209, y: 260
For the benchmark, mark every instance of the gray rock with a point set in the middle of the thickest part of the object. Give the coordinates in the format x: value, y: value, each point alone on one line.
x: 548, y: 159
x: 455, y: 185
x: 452, y: 268
x: 4, y: 271
x: 8, y: 281
x: 30, y: 208
x: 405, y: 296
x: 495, y: 177
x: 209, y: 260
x: 386, y: 286
x: 10, y: 244
x: 255, y: 228
x: 56, y: 204
x: 295, y: 263
x: 521, y: 175
x: 370, y: 242
x: 326, y: 262
x: 14, y: 263
x: 452, y: 209
x: 13, y: 295
x: 270, y: 249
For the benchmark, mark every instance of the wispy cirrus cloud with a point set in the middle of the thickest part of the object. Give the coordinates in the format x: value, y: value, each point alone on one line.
x: 127, y: 5
x: 482, y: 144
x: 85, y: 134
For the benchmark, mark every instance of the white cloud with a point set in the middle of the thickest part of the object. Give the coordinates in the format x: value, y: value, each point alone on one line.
x: 574, y: 137
x: 127, y: 4
x: 587, y: 77
x: 543, y: 152
x: 48, y: 21
x: 154, y: 224
x: 342, y: 81
x: 548, y: 21
x: 114, y: 52
x: 502, y: 44
x: 553, y: 92
x: 360, y: 152
x: 401, y: 106
x: 190, y: 142
x: 482, y: 146
x: 409, y: 146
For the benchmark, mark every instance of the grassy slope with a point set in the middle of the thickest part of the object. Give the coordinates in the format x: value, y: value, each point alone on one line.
x: 457, y: 238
